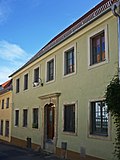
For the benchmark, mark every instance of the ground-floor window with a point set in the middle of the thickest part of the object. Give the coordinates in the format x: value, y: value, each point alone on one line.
x: 35, y: 118
x: 7, y: 128
x: 25, y: 115
x: 69, y: 118
x: 16, y: 117
x: 98, y: 118
x: 1, y: 127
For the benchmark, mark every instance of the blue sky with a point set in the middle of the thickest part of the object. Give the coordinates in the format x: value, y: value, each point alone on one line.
x: 27, y: 25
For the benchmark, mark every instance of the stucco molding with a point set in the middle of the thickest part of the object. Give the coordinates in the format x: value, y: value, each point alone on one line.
x: 49, y: 95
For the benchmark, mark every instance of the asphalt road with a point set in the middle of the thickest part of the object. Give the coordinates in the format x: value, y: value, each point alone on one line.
x: 8, y: 152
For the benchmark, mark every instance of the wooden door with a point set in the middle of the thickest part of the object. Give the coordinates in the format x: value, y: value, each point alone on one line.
x: 50, y: 122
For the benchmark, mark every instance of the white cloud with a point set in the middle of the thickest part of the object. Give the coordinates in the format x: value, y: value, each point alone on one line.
x: 4, y: 73
x: 11, y: 52
x: 12, y: 56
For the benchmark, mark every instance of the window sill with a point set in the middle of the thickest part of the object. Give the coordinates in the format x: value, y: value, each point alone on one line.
x: 50, y: 81
x: 97, y: 64
x: 69, y: 74
x: 100, y: 137
x: 70, y: 133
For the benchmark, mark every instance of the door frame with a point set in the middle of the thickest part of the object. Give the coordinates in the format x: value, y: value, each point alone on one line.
x: 45, y: 100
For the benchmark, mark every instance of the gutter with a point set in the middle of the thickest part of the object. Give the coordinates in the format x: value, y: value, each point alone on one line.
x: 116, y: 11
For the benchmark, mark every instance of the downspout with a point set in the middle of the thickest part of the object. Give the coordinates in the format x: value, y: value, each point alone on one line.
x: 116, y: 11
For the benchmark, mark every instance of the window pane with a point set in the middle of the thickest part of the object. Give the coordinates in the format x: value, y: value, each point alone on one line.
x: 50, y: 70
x: 7, y: 129
x: 7, y: 104
x: 69, y: 61
x: 2, y: 103
x: 36, y: 75
x: 17, y: 85
x: 25, y: 81
x: 35, y: 118
x: 97, y: 48
x: 16, y: 117
x: 25, y: 112
x: 99, y: 118
x: 1, y: 127
x: 69, y: 118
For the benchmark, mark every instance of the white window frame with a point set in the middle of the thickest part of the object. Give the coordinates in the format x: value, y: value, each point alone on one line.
x: 105, y: 29
x: 89, y: 122
x: 76, y: 118
x: 47, y: 82
x: 64, y: 52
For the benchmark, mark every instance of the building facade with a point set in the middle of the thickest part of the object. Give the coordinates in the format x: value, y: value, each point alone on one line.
x: 58, y: 95
x: 5, y: 111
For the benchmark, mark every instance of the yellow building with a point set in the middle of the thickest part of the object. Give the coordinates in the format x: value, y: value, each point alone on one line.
x: 5, y: 110
x: 58, y: 95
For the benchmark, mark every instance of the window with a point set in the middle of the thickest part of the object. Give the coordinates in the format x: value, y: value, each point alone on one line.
x: 99, y: 118
x: 97, y: 48
x: 2, y: 103
x: 16, y: 117
x: 25, y: 114
x: 7, y: 129
x: 17, y: 85
x: 69, y: 61
x: 69, y: 118
x: 35, y: 118
x: 36, y: 75
x: 7, y: 102
x: 50, y: 70
x: 26, y: 82
x: 1, y: 127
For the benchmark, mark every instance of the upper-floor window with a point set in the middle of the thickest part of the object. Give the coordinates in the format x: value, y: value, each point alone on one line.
x: 69, y: 61
x: 25, y: 81
x: 36, y: 75
x: 99, y: 118
x: 7, y: 102
x: 3, y: 102
x: 17, y: 85
x: 50, y: 70
x: 97, y: 48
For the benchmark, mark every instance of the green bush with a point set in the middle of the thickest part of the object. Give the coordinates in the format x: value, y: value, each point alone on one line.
x: 112, y: 96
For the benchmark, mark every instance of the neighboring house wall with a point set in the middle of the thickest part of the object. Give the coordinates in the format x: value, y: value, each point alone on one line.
x: 78, y: 88
x: 5, y: 115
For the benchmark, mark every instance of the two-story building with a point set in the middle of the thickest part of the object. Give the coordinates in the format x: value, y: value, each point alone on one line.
x: 5, y: 110
x: 58, y: 95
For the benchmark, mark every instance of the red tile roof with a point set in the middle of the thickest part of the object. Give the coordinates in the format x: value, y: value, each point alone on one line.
x: 5, y: 87
x: 82, y: 22
x: 6, y: 84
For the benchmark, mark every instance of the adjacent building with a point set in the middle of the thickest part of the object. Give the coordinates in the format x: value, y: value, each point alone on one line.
x: 58, y: 95
x: 5, y: 110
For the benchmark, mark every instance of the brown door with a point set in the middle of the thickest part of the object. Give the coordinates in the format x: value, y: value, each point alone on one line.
x: 50, y: 122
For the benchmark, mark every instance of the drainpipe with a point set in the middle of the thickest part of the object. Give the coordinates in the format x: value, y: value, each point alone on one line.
x: 116, y: 11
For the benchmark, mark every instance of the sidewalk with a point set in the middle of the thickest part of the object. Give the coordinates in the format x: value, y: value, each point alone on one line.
x: 10, y: 152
